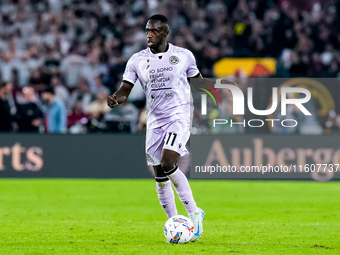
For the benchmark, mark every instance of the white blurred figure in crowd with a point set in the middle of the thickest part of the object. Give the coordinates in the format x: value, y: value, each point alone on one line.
x: 90, y: 69
x: 98, y: 107
x: 71, y: 67
x: 7, y: 66
x: 22, y: 67
x: 37, y: 59
x: 82, y: 93
x: 100, y: 88
x: 60, y: 90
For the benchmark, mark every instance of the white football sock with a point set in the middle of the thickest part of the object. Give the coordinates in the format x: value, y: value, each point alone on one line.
x: 166, y: 197
x: 182, y: 187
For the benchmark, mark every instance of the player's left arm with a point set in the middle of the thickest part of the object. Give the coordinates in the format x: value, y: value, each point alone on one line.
x: 198, y: 81
x: 195, y: 78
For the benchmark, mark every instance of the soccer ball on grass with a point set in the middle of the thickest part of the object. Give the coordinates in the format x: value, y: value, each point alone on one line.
x: 178, y: 229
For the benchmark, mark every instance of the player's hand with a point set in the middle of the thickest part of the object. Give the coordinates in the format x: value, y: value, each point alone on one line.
x: 112, y: 101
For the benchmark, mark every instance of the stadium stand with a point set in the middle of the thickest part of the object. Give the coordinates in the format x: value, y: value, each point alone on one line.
x: 81, y: 47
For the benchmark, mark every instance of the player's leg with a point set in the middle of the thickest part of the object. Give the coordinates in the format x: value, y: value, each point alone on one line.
x: 174, y: 147
x: 153, y: 145
x: 165, y: 192
x: 178, y: 179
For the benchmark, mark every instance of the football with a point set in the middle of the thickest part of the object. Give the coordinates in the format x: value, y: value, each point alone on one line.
x: 178, y: 229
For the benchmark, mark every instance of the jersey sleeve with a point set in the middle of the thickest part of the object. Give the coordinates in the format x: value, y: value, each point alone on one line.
x: 130, y: 73
x: 192, y: 67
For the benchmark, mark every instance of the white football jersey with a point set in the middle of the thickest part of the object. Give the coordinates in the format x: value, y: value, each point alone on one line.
x: 163, y: 77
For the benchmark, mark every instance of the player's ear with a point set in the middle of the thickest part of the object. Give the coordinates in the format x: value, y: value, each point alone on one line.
x: 166, y: 31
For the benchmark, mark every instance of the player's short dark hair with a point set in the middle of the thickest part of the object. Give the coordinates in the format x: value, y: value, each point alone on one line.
x: 160, y: 17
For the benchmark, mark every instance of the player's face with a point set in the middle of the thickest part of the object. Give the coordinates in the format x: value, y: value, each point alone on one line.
x: 156, y: 34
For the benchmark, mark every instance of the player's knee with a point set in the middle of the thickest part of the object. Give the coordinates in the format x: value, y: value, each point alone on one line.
x: 159, y: 172
x: 167, y: 166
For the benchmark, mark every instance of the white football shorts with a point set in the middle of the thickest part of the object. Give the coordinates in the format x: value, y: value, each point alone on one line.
x: 172, y: 136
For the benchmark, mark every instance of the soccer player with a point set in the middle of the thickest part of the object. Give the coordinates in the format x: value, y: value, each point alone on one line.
x: 163, y: 70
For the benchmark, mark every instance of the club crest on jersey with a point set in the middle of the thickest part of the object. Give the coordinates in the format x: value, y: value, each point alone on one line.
x: 173, y: 60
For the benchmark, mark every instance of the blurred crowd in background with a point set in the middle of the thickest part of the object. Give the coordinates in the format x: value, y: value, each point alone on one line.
x: 60, y: 59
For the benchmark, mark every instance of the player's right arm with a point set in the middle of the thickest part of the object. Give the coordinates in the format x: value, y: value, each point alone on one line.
x: 129, y: 78
x: 120, y: 96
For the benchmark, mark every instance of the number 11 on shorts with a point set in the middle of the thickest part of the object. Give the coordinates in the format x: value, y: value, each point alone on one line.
x: 172, y: 140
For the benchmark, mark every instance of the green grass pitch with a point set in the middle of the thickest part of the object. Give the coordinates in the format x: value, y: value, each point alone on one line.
x: 50, y: 216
